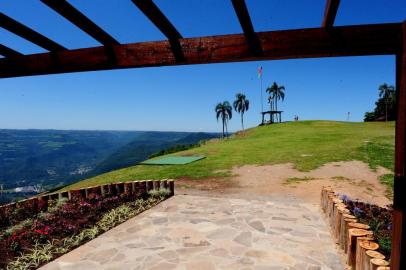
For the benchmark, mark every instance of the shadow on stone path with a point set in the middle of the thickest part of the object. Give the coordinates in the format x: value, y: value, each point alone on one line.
x: 201, y: 232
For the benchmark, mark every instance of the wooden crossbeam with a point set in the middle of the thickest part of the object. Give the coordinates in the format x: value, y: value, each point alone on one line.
x: 155, y: 15
x: 7, y: 52
x: 360, y: 40
x: 28, y: 34
x: 330, y: 13
x: 80, y: 20
x: 241, y: 10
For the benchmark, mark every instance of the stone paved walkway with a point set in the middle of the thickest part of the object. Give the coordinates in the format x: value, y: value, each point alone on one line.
x: 196, y: 232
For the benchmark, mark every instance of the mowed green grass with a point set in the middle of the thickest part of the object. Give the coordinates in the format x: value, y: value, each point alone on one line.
x: 306, y: 144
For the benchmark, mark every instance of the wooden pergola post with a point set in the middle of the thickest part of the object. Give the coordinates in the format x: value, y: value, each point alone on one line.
x: 398, y: 257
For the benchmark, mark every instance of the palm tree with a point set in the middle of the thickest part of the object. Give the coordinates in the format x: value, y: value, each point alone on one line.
x: 387, y: 92
x: 276, y: 93
x: 270, y: 101
x: 225, y: 111
x: 241, y: 105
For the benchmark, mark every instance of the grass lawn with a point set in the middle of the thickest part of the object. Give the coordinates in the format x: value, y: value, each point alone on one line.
x: 306, y: 144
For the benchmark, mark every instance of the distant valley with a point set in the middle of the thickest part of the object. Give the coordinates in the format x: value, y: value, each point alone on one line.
x: 32, y: 161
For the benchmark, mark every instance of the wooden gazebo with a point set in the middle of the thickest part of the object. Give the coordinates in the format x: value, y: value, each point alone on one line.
x: 326, y: 41
x: 271, y: 114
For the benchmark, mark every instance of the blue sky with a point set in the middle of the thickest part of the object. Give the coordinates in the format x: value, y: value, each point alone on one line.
x: 182, y: 98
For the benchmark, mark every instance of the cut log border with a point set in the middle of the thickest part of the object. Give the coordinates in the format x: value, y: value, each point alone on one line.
x: 353, y: 235
x: 354, y: 238
x: 376, y: 263
x: 364, y: 244
x: 136, y: 188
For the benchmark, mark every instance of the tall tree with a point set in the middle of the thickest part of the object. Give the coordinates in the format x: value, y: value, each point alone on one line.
x: 271, y: 102
x: 225, y: 112
x: 241, y: 105
x: 276, y: 93
x: 387, y: 92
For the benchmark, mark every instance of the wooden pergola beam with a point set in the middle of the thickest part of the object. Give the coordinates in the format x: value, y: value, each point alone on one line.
x: 398, y: 254
x: 241, y: 10
x: 81, y: 21
x: 28, y: 34
x: 360, y: 40
x: 330, y: 13
x: 155, y: 15
x: 7, y: 52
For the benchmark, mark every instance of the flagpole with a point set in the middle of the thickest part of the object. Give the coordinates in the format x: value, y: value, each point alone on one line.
x: 262, y: 99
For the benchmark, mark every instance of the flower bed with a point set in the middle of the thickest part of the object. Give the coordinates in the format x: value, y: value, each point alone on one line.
x: 67, y: 224
x: 378, y: 218
x: 361, y: 230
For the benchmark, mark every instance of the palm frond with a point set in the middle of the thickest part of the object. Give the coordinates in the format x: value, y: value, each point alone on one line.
x: 236, y: 104
x: 247, y: 105
x: 218, y: 114
x: 282, y: 95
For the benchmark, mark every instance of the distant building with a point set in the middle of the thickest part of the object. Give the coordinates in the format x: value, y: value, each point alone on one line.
x: 26, y: 189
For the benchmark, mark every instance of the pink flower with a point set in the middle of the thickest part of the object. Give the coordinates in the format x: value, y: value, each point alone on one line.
x: 84, y: 204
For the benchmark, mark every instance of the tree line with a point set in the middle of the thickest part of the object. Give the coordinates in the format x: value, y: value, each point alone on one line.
x: 385, y: 106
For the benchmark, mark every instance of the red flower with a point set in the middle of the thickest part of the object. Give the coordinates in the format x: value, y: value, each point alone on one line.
x: 41, y: 232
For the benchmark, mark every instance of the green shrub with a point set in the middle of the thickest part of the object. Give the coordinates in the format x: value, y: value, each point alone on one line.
x: 55, y: 205
x: 162, y: 192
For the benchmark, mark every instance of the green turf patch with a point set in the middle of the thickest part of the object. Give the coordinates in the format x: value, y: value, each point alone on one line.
x: 172, y: 160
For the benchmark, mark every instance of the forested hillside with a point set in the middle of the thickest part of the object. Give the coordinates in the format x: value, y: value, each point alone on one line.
x: 36, y: 160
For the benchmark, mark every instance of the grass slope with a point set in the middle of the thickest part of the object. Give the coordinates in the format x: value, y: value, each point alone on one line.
x: 306, y: 144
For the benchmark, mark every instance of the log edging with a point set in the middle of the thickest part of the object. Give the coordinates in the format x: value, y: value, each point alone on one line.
x: 39, y: 203
x: 353, y: 238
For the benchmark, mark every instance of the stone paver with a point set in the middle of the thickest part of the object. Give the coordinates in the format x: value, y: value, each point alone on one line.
x: 195, y: 232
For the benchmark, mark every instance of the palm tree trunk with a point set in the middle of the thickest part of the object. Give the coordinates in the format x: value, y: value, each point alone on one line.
x: 386, y: 110
x: 276, y: 104
x: 242, y: 121
x: 226, y: 129
x: 223, y: 127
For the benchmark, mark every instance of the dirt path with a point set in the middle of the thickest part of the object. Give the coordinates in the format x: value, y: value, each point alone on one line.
x: 353, y: 178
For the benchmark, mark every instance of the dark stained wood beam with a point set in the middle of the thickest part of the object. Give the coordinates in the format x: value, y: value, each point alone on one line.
x: 77, y: 18
x: 398, y: 254
x: 360, y: 40
x: 155, y: 15
x: 28, y: 34
x: 330, y: 13
x: 7, y: 52
x: 243, y: 16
